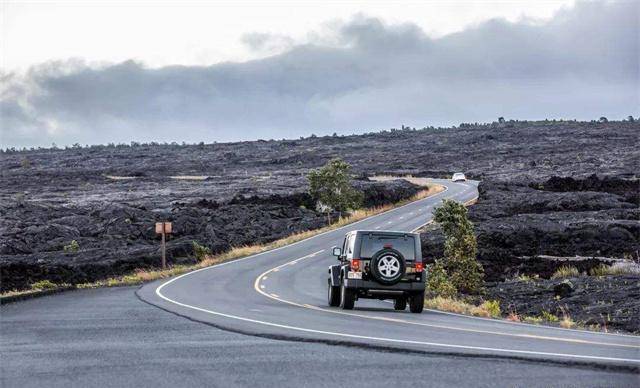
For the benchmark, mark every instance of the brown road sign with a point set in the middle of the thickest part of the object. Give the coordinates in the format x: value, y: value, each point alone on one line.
x: 163, y: 227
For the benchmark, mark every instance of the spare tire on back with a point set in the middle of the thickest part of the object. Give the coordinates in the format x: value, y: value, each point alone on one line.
x: 387, y: 266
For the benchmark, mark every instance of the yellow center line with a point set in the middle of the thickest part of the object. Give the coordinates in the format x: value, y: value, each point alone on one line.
x: 397, y: 320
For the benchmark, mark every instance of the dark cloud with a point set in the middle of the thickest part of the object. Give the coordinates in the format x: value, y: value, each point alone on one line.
x: 582, y: 64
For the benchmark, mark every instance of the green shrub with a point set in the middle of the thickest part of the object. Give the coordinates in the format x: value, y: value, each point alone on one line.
x: 438, y: 283
x: 547, y: 316
x: 460, y: 247
x: 44, y: 285
x: 566, y: 271
x: 493, y: 307
x: 72, y: 247
x: 200, y: 251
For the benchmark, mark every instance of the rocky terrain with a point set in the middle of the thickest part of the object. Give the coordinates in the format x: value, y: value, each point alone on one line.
x: 597, y: 302
x: 536, y: 227
x: 118, y: 237
x: 550, y: 191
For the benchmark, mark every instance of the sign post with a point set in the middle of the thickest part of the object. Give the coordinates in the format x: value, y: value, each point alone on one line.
x: 163, y: 228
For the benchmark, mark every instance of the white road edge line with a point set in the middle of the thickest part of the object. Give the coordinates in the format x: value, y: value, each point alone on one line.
x: 380, y: 339
x: 506, y: 322
x: 397, y: 320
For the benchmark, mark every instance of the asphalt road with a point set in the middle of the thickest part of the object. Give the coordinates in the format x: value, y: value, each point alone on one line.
x: 108, y: 337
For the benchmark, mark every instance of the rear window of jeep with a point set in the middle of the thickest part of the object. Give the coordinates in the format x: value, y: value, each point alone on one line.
x: 372, y: 243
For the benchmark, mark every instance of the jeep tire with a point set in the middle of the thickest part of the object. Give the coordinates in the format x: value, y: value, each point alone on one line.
x: 416, y: 302
x: 347, y: 297
x: 400, y: 303
x: 333, y: 295
x: 388, y: 266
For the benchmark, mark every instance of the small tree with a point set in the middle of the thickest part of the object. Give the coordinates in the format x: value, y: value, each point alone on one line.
x: 200, y: 251
x: 73, y: 246
x: 439, y: 283
x: 330, y: 186
x: 460, y: 247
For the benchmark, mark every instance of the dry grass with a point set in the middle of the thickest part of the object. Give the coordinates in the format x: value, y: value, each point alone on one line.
x: 471, y: 202
x: 145, y: 275
x: 44, y: 285
x: 532, y: 320
x: 448, y: 304
x: 513, y: 317
x: 138, y: 277
x: 190, y: 177
x: 119, y: 178
x: 488, y: 309
x: 567, y: 322
x: 613, y: 270
x: 36, y: 288
x: 566, y: 271
x: 527, y: 278
x: 547, y: 316
x: 12, y: 293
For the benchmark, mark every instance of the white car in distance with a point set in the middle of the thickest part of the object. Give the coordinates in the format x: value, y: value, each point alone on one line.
x: 458, y: 177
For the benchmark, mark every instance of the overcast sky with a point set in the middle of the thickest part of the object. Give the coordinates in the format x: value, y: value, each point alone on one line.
x: 115, y: 72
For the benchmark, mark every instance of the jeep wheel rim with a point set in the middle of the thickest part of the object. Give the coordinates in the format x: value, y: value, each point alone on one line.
x: 389, y: 266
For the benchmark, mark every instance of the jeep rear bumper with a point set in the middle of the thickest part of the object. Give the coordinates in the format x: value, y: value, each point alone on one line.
x: 377, y: 288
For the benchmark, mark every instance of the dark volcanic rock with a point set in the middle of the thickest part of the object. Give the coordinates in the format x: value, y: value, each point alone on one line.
x: 627, y: 188
x: 563, y: 289
x: 520, y: 226
x: 116, y: 238
x: 378, y: 194
x: 610, y: 301
x: 514, y: 220
x: 108, y: 197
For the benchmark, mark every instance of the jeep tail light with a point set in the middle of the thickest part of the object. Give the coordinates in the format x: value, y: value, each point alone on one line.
x: 419, y: 267
x: 355, y: 265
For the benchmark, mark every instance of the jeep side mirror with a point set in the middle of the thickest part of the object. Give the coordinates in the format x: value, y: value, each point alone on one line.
x: 337, y: 251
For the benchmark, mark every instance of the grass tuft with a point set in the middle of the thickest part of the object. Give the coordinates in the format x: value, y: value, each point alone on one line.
x: 566, y: 271
x: 611, y: 270
x: 567, y: 322
x: 513, y: 317
x: 40, y: 287
x: 547, y: 316
x: 532, y: 320
x: 488, y: 309
x: 527, y: 278
x: 44, y: 285
x: 73, y: 246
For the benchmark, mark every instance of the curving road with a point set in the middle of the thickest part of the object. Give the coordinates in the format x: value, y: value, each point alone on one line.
x: 108, y: 337
x: 282, y: 294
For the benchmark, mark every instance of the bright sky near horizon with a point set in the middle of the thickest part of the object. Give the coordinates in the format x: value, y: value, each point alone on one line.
x: 89, y: 72
x: 160, y: 33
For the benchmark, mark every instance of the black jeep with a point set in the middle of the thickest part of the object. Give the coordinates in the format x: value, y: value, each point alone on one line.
x: 378, y: 265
